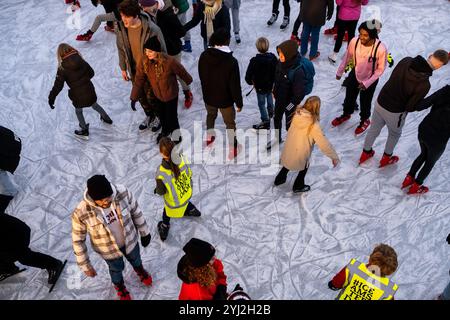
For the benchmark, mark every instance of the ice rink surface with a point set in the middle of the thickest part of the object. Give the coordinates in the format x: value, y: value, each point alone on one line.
x: 277, y: 245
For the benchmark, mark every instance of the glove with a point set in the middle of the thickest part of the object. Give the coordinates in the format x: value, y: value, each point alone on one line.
x: 329, y: 17
x: 390, y: 60
x: 146, y: 240
x: 133, y: 105
x: 448, y: 238
x: 51, y: 103
x: 221, y: 292
x: 330, y: 285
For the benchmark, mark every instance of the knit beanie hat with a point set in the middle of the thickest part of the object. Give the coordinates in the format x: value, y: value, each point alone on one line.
x: 99, y: 187
x: 147, y: 3
x: 289, y: 49
x: 153, y: 44
x: 198, y: 252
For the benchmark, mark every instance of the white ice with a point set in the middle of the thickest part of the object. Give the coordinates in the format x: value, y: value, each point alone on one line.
x: 277, y: 245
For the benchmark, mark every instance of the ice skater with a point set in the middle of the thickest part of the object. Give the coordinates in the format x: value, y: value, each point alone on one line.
x: 77, y: 73
x: 303, y: 133
x: 174, y: 182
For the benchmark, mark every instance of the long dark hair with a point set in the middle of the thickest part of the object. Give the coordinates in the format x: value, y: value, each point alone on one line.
x: 165, y: 147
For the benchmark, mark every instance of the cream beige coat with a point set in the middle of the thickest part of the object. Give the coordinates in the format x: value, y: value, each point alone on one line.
x: 299, y: 142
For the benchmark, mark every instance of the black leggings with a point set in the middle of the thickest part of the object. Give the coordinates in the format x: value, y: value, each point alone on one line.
x: 343, y: 25
x: 300, y: 180
x: 428, y: 157
x: 278, y: 117
x: 168, y: 115
x: 287, y: 8
x: 28, y: 258
x: 297, y: 24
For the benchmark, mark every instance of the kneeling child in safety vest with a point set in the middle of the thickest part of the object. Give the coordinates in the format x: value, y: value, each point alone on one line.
x: 360, y: 281
x: 173, y: 181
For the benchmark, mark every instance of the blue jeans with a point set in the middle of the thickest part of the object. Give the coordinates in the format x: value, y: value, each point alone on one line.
x: 314, y: 32
x: 262, y: 97
x: 446, y: 294
x: 116, y: 266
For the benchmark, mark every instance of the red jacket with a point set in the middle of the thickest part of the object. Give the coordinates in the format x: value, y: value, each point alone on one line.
x: 194, y: 291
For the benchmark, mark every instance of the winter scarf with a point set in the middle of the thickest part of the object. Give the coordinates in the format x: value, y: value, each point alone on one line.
x: 211, y: 9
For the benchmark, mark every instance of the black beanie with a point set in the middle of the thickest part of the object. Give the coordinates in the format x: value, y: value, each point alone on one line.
x: 153, y: 44
x: 99, y: 187
x: 198, y: 252
x: 220, y: 37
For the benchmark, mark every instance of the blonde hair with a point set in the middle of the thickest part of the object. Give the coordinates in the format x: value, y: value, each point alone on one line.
x: 64, y: 50
x: 385, y: 258
x: 262, y: 44
x: 312, y: 104
x: 205, y: 275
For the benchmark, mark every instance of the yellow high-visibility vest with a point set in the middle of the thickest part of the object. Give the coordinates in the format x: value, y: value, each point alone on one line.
x: 179, y: 191
x: 362, y: 284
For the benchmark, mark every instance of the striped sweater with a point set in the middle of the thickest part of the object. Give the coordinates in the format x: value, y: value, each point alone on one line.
x: 87, y: 219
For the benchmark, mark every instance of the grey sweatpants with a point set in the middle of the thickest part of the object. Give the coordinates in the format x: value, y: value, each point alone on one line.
x: 96, y: 107
x: 183, y: 84
x: 394, y: 123
x: 182, y: 17
x: 101, y: 18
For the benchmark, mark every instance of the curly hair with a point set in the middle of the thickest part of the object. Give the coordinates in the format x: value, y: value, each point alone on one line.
x: 205, y: 275
x: 385, y: 258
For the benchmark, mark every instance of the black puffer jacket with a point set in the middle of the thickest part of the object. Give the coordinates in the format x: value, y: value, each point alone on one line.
x: 78, y: 74
x: 14, y: 236
x: 435, y: 127
x: 261, y: 72
x: 220, y: 78
x: 408, y: 85
x: 314, y: 12
x: 221, y: 20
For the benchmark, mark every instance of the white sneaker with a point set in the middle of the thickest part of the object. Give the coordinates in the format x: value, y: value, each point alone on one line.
x: 333, y: 57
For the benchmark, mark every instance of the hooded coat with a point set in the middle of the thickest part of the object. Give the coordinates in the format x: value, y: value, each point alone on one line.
x: 220, y: 78
x: 193, y: 290
x: 408, y: 85
x: 286, y: 91
x: 302, y: 135
x: 78, y: 74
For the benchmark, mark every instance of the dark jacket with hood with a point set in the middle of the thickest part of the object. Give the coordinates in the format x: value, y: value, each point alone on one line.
x: 11, y: 145
x: 14, y: 237
x: 78, y: 74
x: 435, y: 127
x: 261, y: 72
x: 221, y: 20
x: 408, y: 85
x: 220, y: 78
x: 286, y: 91
x: 314, y: 12
x: 171, y: 29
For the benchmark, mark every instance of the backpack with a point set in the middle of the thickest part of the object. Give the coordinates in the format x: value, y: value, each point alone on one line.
x: 309, y: 71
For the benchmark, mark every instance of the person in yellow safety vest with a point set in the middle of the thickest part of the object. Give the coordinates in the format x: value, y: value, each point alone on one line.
x: 359, y: 281
x: 173, y: 181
